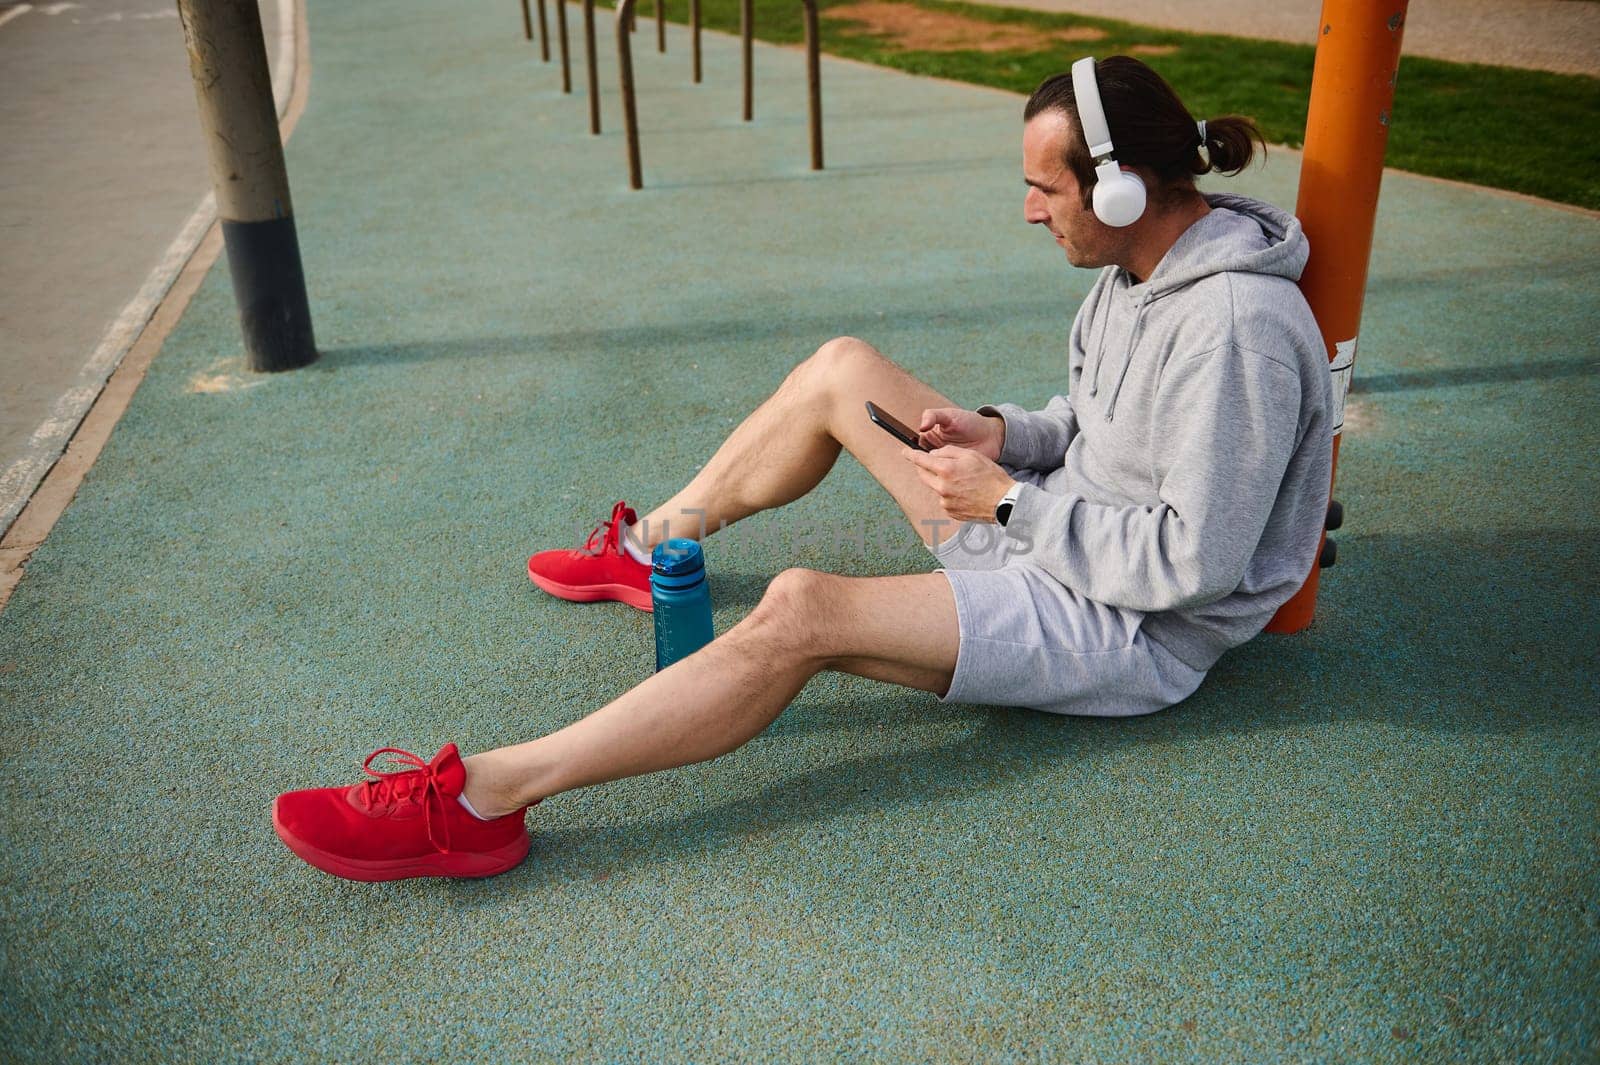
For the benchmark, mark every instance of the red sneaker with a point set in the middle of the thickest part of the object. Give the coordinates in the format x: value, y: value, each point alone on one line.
x: 600, y: 569
x: 399, y: 825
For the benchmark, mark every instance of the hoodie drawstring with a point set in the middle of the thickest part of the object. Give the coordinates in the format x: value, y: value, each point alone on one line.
x: 1102, y: 320
x: 1133, y: 340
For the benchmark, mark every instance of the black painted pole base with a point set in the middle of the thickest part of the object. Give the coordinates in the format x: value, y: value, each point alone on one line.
x: 270, y: 288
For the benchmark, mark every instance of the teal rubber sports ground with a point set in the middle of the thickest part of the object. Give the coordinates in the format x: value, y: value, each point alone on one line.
x: 1372, y: 841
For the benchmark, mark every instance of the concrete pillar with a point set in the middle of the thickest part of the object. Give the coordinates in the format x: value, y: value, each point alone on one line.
x: 228, y: 61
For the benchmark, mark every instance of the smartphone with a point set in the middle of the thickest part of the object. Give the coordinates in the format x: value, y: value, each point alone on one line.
x: 894, y: 426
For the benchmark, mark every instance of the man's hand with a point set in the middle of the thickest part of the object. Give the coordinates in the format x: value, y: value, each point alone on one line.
x: 968, y: 485
x: 956, y: 427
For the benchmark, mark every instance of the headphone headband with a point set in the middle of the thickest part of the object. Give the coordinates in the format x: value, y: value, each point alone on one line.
x: 1091, y: 114
x: 1118, y: 198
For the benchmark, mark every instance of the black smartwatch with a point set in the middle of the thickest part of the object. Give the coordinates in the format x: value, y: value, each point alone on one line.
x: 1002, y: 509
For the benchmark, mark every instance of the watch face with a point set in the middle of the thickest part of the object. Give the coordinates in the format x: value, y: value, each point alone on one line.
x: 1002, y: 513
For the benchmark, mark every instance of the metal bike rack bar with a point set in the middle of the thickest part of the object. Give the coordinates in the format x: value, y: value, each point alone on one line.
x: 594, y: 74
x: 566, y: 60
x: 544, y: 31
x: 694, y: 36
x: 527, y: 29
x: 630, y: 116
x: 814, y: 82
x: 747, y: 21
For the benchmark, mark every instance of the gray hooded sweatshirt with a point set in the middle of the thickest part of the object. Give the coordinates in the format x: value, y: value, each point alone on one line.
x: 1190, y: 462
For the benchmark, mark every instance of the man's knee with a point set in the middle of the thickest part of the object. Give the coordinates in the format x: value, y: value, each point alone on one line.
x: 793, y: 610
x: 839, y: 359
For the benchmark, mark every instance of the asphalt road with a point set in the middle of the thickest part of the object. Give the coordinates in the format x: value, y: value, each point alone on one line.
x: 102, y: 166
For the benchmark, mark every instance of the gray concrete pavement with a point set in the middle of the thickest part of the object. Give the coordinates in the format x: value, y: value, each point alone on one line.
x: 1559, y: 35
x: 103, y: 166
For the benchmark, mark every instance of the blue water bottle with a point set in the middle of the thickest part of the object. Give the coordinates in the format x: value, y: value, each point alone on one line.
x: 680, y: 600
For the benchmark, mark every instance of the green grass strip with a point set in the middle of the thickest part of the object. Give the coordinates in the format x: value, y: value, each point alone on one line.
x: 1524, y: 130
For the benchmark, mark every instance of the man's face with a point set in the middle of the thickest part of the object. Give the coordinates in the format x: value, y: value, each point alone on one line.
x: 1054, y: 199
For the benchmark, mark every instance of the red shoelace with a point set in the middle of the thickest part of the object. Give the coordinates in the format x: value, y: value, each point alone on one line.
x: 611, y: 541
x: 419, y: 783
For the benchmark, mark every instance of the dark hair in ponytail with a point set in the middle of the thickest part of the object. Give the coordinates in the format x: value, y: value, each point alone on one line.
x: 1230, y: 145
x: 1150, y: 128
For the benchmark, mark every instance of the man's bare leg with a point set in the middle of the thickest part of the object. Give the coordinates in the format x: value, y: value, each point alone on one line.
x: 790, y: 442
x: 728, y: 692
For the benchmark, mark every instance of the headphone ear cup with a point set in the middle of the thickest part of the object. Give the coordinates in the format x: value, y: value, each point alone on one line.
x: 1120, y: 201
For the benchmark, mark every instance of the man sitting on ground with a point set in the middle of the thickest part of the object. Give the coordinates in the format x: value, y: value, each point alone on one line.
x: 1145, y: 523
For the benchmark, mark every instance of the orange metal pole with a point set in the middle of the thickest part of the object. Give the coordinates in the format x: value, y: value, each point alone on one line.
x: 1347, y: 131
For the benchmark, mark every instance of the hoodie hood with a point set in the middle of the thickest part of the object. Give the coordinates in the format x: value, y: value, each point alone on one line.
x: 1238, y: 235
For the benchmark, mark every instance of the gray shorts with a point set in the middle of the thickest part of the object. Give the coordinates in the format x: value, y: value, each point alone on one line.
x: 1028, y: 640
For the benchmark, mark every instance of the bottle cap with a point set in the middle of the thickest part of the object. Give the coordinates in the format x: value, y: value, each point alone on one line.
x: 679, y: 558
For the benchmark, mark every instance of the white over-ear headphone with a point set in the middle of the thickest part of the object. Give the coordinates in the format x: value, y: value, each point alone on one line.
x: 1119, y: 194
